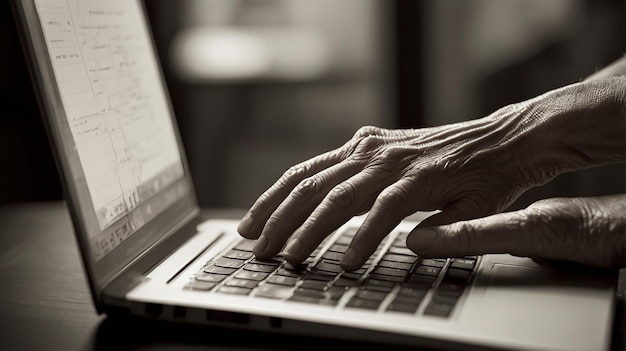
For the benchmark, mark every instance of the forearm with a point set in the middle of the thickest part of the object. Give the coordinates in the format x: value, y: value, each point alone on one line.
x: 579, y: 126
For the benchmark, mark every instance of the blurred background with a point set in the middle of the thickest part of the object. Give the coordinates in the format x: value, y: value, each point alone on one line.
x: 259, y: 85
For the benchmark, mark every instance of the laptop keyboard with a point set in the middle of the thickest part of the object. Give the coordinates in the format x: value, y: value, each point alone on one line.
x: 393, y: 279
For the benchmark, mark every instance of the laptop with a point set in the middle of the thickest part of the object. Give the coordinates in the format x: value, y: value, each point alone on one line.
x: 148, y: 252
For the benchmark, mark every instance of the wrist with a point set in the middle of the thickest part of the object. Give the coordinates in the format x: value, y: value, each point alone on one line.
x: 585, y: 124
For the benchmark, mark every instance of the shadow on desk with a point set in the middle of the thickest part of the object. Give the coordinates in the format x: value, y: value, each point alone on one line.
x: 129, y: 333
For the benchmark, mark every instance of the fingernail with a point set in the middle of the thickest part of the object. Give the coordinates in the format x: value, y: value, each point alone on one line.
x: 260, y: 245
x: 294, y: 249
x: 245, y: 226
x: 422, y: 240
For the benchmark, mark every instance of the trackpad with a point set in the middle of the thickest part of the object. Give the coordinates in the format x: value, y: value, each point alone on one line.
x: 545, y: 279
x: 546, y: 303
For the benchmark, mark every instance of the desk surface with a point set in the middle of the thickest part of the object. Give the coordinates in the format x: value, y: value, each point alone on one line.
x: 45, y: 302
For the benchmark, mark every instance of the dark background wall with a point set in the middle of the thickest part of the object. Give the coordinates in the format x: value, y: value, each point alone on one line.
x: 396, y: 63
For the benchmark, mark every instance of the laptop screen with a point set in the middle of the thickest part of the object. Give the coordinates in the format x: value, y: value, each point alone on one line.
x: 115, y: 109
x: 112, y: 125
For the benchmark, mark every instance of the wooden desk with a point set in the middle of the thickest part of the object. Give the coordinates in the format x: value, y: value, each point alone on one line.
x: 45, y: 303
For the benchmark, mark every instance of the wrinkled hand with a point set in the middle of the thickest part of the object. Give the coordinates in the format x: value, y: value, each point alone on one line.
x: 465, y: 170
x: 590, y: 231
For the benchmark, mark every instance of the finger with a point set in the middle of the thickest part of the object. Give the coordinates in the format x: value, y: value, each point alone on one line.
x: 254, y: 220
x: 520, y: 233
x: 461, y: 210
x: 298, y: 206
x: 391, y: 206
x: 346, y: 200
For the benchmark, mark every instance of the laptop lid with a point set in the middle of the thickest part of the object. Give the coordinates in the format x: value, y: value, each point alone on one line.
x: 111, y: 125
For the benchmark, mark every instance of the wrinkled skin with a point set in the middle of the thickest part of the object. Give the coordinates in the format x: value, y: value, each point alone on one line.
x: 470, y: 172
x: 590, y: 231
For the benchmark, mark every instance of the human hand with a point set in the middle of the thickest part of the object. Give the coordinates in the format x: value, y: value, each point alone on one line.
x: 590, y: 231
x: 465, y: 170
x: 468, y: 170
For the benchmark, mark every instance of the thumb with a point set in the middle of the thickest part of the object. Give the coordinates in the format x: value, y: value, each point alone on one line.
x: 515, y: 233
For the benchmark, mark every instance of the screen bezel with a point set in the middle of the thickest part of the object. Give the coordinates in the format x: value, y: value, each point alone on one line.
x: 76, y: 194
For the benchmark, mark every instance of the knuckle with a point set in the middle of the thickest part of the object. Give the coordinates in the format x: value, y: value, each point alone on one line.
x: 367, y: 144
x: 394, y: 197
x: 262, y: 201
x: 342, y: 195
x: 391, y: 154
x: 367, y: 131
x: 390, y: 163
x: 306, y: 188
x: 295, y: 172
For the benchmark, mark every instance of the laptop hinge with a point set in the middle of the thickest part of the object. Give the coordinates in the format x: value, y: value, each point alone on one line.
x: 114, y: 292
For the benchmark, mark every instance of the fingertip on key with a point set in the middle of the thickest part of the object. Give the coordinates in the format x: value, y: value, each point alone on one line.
x: 260, y: 246
x: 350, y: 260
x: 245, y: 226
x: 293, y: 251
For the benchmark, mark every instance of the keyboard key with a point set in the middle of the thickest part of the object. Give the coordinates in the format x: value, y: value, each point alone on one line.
x: 268, y: 262
x: 418, y: 280
x: 412, y: 293
x: 432, y: 263
x: 357, y: 302
x: 380, y: 285
x: 463, y: 263
x: 210, y: 277
x: 320, y: 276
x: 229, y: 262
x: 306, y: 298
x: 291, y: 272
x: 391, y: 271
x: 427, y: 270
x: 387, y: 278
x: 405, y: 266
x: 219, y: 270
x: 238, y: 254
x: 438, y: 309
x: 283, y: 280
x: 328, y: 267
x: 332, y: 256
x: 401, y: 250
x: 409, y: 259
x: 371, y: 294
x: 200, y: 285
x: 336, y: 292
x: 403, y: 306
x: 344, y: 281
x: 257, y: 276
x: 444, y: 298
x: 234, y: 290
x: 256, y: 267
x: 245, y: 245
x: 318, y: 285
x: 340, y: 248
x: 451, y: 288
x: 242, y: 283
x: 274, y: 291
x: 459, y: 274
